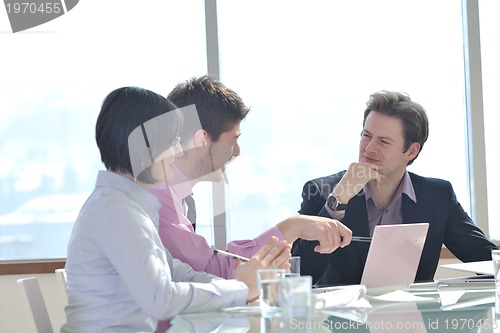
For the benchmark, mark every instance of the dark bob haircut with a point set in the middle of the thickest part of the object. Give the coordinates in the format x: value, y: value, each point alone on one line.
x: 123, y: 111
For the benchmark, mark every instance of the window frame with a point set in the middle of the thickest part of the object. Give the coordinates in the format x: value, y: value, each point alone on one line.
x: 30, y: 266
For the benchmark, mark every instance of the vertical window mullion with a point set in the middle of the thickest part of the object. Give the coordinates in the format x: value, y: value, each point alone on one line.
x: 219, y: 190
x: 475, y: 117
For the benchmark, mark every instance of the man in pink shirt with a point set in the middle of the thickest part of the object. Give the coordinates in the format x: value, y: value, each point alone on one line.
x: 207, y: 149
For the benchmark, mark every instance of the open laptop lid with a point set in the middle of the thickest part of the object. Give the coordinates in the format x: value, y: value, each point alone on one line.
x: 394, y: 255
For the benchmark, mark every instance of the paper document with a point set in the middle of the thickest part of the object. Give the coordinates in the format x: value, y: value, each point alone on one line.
x: 457, y: 298
x: 342, y: 296
x: 470, y: 303
x: 399, y: 296
x: 481, y: 267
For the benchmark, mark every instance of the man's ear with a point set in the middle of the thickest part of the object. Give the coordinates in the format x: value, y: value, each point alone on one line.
x: 412, y: 152
x: 200, y: 138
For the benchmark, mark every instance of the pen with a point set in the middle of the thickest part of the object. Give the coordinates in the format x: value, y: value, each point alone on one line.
x: 359, y: 239
x: 231, y: 255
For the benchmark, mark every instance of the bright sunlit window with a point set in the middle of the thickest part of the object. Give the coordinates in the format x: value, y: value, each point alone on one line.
x: 306, y: 72
x: 53, y: 80
x: 307, y: 76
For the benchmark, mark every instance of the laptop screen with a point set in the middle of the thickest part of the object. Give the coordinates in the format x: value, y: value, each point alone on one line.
x: 394, y: 255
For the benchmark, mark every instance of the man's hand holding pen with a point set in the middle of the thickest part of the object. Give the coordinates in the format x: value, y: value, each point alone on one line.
x: 330, y: 233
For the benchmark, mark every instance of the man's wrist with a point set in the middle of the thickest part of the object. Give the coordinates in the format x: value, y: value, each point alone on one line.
x: 290, y: 229
x: 335, y: 204
x: 341, y: 195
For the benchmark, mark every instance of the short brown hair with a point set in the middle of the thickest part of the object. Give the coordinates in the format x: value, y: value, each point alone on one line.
x: 219, y: 108
x: 411, y: 114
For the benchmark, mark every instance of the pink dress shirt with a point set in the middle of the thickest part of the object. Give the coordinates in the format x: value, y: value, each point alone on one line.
x: 183, y: 243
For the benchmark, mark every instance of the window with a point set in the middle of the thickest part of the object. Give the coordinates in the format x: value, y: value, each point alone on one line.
x: 490, y: 26
x: 307, y: 75
x: 54, y: 78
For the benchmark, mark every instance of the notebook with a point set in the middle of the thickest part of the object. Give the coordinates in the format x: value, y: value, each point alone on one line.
x: 393, y: 257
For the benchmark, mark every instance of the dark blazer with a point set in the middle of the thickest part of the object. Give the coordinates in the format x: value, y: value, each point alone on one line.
x: 436, y: 204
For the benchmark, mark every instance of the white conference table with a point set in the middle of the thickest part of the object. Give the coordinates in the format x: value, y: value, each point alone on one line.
x: 443, y: 309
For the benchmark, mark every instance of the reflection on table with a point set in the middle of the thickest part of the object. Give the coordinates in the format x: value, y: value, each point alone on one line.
x: 443, y: 310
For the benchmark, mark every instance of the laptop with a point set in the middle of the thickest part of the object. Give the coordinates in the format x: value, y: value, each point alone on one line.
x: 393, y: 257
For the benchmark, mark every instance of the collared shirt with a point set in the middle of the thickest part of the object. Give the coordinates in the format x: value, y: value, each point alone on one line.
x: 184, y: 244
x: 120, y: 277
x: 392, y: 214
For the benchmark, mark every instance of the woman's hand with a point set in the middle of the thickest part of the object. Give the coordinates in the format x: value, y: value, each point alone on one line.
x: 273, y: 254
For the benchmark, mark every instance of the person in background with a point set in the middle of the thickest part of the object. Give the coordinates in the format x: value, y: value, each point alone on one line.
x: 120, y: 276
x: 378, y: 189
x: 208, y: 147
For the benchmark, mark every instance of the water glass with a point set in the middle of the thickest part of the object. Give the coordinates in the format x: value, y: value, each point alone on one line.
x: 269, y: 284
x: 294, y: 266
x: 495, y: 257
x: 295, y: 296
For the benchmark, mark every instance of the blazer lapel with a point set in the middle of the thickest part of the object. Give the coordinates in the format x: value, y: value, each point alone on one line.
x: 357, y: 220
x: 413, y: 211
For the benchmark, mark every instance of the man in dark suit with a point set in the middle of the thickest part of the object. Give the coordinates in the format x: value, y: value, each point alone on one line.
x: 379, y: 190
